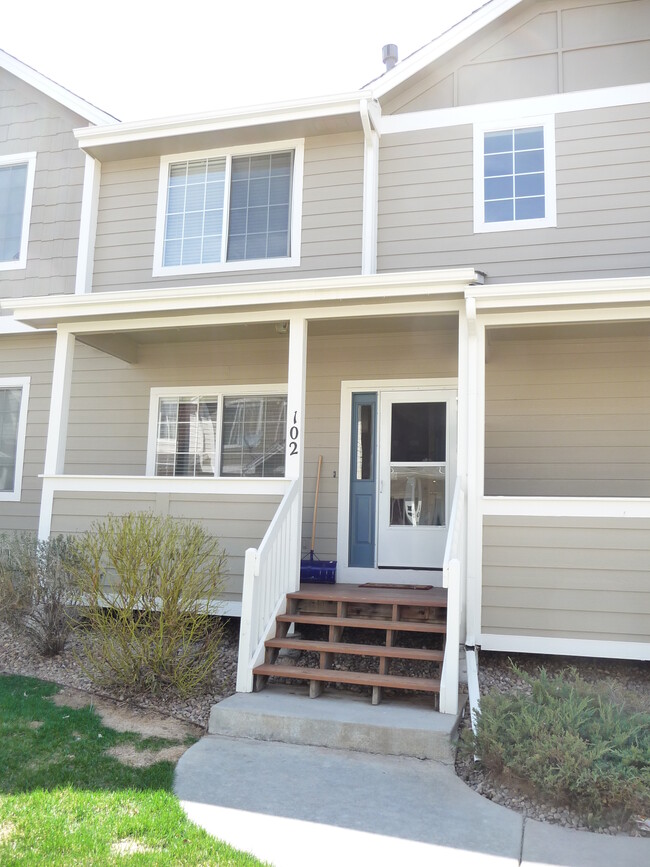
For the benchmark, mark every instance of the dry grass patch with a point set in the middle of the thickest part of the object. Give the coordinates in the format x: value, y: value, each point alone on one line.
x: 129, y: 755
x: 123, y: 718
x: 129, y: 846
x: 7, y: 831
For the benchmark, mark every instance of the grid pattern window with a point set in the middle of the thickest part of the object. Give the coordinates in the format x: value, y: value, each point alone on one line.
x: 187, y: 436
x: 515, y: 177
x: 253, y: 442
x: 226, y: 209
x: 195, y: 203
x: 16, y: 185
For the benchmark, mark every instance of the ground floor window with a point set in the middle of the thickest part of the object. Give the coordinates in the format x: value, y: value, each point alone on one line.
x: 13, y: 418
x: 217, y: 433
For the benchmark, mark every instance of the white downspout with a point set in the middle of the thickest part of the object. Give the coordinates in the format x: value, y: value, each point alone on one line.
x: 370, y: 188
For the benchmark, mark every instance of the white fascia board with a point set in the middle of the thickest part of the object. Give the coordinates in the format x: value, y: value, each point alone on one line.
x: 442, y: 45
x: 55, y: 91
x: 43, y: 311
x: 519, y: 110
x: 609, y: 291
x: 214, y: 122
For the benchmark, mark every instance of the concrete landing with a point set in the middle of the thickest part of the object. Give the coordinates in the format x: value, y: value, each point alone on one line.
x: 348, y: 722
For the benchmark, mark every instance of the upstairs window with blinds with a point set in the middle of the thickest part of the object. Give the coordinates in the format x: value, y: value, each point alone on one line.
x: 227, y: 211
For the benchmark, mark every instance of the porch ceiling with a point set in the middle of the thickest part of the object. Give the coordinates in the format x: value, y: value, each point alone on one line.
x: 126, y: 346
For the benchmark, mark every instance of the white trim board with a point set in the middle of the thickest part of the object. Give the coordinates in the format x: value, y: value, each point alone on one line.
x: 166, y: 485
x: 566, y: 507
x: 519, y: 109
x: 565, y: 646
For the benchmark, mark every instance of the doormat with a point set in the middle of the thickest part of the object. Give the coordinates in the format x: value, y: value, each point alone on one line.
x: 399, y: 586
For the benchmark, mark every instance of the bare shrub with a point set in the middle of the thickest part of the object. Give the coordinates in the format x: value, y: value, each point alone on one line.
x: 151, y: 587
x: 38, y: 589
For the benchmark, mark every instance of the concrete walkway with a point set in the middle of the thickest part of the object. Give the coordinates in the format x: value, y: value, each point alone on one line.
x: 297, y: 805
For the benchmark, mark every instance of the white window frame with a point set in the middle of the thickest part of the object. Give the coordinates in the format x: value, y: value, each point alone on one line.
x: 218, y: 391
x: 23, y: 383
x: 550, y: 198
x: 16, y: 160
x: 293, y: 260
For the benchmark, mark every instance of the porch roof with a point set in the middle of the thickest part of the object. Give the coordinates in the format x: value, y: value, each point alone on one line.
x: 261, y: 299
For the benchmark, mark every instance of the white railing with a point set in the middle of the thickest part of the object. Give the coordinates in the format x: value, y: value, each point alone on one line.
x: 270, y: 572
x: 454, y: 570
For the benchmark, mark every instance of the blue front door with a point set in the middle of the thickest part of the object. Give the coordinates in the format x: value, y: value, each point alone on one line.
x: 363, y: 480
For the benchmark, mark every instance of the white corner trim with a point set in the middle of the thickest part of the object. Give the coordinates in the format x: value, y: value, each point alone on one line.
x: 291, y: 261
x: 566, y: 646
x: 550, y: 197
x: 370, y: 210
x: 30, y: 160
x: 88, y: 226
x: 520, y: 109
x: 21, y: 382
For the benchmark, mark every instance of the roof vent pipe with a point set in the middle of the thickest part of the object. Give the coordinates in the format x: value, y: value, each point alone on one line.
x: 389, y: 56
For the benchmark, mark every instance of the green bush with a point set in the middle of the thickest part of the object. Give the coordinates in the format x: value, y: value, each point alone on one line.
x: 570, y: 743
x: 37, y: 588
x: 150, y: 586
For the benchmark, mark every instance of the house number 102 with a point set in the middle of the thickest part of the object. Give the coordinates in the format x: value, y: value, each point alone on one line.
x: 293, y: 435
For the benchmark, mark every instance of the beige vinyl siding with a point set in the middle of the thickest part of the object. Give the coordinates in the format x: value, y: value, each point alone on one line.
x: 568, y: 412
x: 582, y: 578
x: 603, y: 203
x: 239, y: 522
x: 32, y: 356
x: 109, y: 405
x: 331, y: 220
x: 534, y: 50
x: 31, y: 121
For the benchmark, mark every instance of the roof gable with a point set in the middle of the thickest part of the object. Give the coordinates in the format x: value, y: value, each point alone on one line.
x: 440, y: 46
x: 55, y: 91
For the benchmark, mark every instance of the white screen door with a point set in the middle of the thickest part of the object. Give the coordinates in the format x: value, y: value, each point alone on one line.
x: 417, y: 443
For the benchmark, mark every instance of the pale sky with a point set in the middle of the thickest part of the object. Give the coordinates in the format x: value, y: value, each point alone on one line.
x: 154, y: 58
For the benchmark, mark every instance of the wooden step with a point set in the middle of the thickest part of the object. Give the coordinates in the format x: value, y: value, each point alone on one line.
x: 358, y: 678
x: 364, y: 623
x: 434, y: 598
x: 356, y: 649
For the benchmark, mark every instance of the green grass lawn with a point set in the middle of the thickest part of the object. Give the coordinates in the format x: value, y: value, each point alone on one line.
x: 65, y: 801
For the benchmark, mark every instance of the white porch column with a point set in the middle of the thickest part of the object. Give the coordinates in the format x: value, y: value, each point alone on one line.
x: 295, y: 444
x: 57, y: 425
x: 475, y: 467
